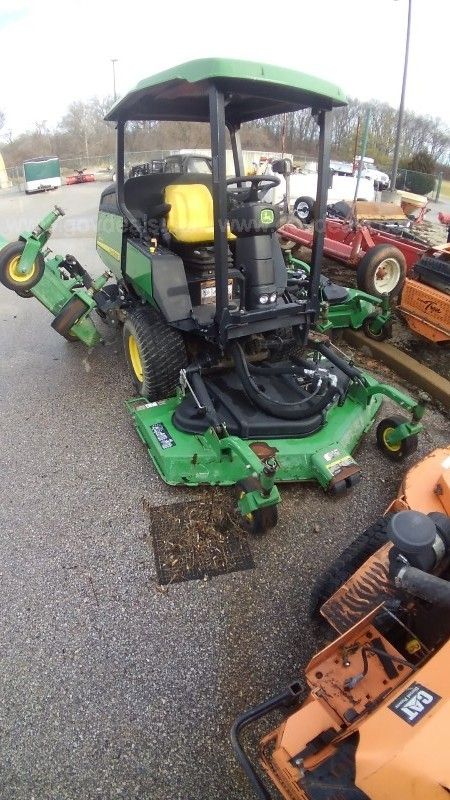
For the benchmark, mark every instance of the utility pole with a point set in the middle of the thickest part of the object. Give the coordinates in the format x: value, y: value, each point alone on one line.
x: 114, y: 62
x: 401, y: 110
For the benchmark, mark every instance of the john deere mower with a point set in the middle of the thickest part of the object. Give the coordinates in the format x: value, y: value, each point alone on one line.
x: 373, y: 723
x: 234, y: 384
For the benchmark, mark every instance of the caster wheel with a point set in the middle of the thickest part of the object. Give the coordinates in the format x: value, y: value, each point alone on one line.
x: 10, y: 275
x: 66, y: 318
x: 379, y: 336
x: 400, y: 450
x: 261, y: 520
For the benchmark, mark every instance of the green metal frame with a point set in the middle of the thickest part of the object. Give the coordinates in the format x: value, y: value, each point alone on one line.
x: 53, y: 290
x: 353, y: 312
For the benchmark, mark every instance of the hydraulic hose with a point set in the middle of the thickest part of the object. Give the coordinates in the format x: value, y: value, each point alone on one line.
x: 421, y: 584
x: 340, y: 363
x: 314, y: 403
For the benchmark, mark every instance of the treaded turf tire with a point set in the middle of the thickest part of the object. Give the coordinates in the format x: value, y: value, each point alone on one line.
x: 351, y: 559
x: 155, y: 353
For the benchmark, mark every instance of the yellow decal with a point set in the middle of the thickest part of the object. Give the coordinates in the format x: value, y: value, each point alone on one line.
x: 110, y: 250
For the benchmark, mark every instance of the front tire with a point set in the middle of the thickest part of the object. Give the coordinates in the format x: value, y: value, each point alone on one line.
x: 11, y: 277
x: 382, y: 270
x: 155, y: 353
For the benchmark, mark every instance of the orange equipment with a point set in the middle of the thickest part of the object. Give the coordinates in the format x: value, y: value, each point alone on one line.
x: 425, y: 297
x: 374, y: 723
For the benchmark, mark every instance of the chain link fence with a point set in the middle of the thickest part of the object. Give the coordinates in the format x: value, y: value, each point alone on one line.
x: 103, y: 166
x: 409, y: 180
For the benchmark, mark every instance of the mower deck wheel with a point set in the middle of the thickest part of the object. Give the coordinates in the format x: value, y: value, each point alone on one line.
x: 155, y: 353
x: 399, y: 450
x: 10, y: 275
x: 382, y: 270
x: 67, y: 317
x: 378, y: 336
x: 261, y: 520
x: 24, y: 293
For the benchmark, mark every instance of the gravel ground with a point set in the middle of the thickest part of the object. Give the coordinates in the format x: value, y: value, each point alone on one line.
x: 111, y: 689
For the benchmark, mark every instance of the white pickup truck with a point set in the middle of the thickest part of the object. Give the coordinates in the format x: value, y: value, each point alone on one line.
x: 303, y: 186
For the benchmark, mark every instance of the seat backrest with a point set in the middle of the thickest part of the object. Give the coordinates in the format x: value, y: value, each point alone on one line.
x: 146, y: 192
x: 190, y: 218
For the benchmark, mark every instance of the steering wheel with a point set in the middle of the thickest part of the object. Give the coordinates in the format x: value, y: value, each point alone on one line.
x: 251, y: 195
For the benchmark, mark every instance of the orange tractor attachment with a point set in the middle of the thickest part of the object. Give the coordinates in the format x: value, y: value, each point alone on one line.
x: 373, y: 722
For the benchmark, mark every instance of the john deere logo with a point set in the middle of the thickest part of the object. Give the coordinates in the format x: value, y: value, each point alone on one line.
x: 267, y: 216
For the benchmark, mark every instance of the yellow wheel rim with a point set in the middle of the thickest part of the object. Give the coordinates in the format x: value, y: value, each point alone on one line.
x: 135, y: 358
x: 248, y: 517
x: 14, y: 273
x: 394, y: 448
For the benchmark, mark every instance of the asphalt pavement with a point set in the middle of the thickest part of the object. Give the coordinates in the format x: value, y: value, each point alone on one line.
x: 110, y: 689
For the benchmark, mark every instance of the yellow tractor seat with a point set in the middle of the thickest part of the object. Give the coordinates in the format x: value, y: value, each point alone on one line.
x: 190, y: 219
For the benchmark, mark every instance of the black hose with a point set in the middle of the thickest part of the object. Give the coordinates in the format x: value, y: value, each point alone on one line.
x: 340, y: 363
x: 420, y: 584
x: 314, y: 403
x: 283, y: 700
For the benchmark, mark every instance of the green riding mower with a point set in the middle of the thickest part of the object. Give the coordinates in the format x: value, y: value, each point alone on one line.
x: 235, y: 385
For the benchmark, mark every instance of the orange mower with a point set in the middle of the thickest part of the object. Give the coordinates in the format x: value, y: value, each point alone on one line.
x: 425, y: 299
x: 373, y: 722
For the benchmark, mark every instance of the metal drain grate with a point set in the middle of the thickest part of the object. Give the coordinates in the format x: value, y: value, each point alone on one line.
x: 197, y: 539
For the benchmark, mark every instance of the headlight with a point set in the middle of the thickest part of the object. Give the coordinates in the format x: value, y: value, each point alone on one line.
x: 273, y: 297
x: 263, y: 299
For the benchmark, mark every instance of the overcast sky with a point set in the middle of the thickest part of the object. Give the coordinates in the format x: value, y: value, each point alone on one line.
x: 54, y: 52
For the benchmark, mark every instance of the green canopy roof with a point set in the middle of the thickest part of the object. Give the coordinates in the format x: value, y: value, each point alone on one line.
x: 252, y: 91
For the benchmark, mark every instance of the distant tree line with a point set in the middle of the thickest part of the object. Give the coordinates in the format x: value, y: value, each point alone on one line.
x: 83, y: 133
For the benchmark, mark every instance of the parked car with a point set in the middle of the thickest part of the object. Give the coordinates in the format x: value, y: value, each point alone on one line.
x: 302, y: 190
x: 370, y: 170
x: 180, y: 163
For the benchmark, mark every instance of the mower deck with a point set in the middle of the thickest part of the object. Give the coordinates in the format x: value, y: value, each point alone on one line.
x: 203, y: 458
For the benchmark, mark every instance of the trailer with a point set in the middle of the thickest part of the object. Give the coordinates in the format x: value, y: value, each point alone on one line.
x: 41, y: 174
x: 381, y: 258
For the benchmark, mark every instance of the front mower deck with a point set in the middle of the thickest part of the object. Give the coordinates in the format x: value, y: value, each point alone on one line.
x: 204, y: 458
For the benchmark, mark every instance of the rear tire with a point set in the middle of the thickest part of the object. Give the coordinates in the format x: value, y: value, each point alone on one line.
x: 9, y: 272
x: 155, y: 353
x: 382, y: 270
x: 350, y: 560
x: 304, y: 209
